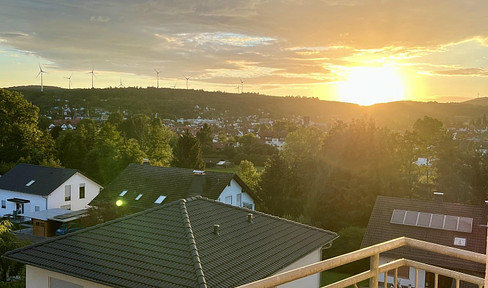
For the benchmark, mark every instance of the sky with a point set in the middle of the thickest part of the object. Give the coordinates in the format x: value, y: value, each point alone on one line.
x: 339, y: 50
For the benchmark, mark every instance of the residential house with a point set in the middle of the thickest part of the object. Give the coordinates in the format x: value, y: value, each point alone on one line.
x: 276, y: 139
x: 195, y: 242
x: 143, y: 186
x: 448, y: 224
x: 30, y: 188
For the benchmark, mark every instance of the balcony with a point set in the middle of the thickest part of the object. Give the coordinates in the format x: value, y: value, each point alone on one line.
x: 373, y: 252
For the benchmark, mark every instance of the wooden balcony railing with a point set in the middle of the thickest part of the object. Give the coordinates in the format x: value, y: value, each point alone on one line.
x: 376, y: 269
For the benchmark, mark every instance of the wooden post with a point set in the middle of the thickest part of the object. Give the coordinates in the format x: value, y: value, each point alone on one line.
x: 373, y: 266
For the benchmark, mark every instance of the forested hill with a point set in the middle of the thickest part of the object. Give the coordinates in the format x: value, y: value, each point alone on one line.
x: 177, y: 103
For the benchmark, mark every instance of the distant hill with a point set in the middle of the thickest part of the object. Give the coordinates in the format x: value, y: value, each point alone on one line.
x: 181, y: 103
x: 483, y: 101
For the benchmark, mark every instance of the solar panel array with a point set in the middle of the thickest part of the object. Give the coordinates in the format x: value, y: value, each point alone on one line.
x: 431, y: 220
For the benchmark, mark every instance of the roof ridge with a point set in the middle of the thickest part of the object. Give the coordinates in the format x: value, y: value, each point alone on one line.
x: 430, y: 201
x: 197, y: 264
x: 262, y: 214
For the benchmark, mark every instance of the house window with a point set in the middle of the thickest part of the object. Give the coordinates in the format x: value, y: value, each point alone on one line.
x: 36, y: 208
x: 160, y: 199
x: 247, y: 205
x: 4, y: 204
x: 238, y: 200
x: 65, y: 207
x: 82, y: 191
x: 58, y: 283
x: 228, y: 200
x: 67, y: 193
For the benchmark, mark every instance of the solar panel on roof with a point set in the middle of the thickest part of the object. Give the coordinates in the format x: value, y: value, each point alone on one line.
x: 411, y: 218
x: 437, y: 221
x: 450, y: 223
x: 398, y: 216
x: 465, y: 224
x: 424, y: 219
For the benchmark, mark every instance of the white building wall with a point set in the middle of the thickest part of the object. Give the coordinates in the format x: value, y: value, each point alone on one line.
x: 403, y: 281
x: 39, y: 278
x: 35, y: 200
x: 232, y: 191
x: 57, y: 200
x: 310, y: 281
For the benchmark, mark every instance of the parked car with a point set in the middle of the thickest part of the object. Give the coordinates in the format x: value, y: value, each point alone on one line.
x: 68, y: 228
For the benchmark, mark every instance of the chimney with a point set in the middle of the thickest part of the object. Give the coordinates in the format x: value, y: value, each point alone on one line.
x: 438, y: 197
x: 145, y: 161
x: 250, y: 218
x: 216, y: 229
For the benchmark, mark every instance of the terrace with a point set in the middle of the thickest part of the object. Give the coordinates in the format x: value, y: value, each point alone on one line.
x: 373, y: 252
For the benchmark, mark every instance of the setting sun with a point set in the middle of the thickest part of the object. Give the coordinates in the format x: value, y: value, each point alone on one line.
x: 371, y: 85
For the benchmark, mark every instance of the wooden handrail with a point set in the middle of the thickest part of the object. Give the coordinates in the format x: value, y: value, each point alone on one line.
x: 370, y: 251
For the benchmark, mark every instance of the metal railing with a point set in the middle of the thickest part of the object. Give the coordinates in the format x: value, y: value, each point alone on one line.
x: 376, y: 269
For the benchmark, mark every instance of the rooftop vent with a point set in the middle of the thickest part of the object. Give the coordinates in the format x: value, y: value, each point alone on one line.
x: 216, y: 229
x: 198, y: 172
x: 250, y: 218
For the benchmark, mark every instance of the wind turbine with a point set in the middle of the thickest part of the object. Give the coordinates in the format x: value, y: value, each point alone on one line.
x: 69, y: 80
x: 242, y: 85
x: 93, y: 74
x: 187, y: 78
x: 121, y: 85
x: 40, y: 73
x: 157, y: 75
x: 238, y: 87
x: 174, y: 86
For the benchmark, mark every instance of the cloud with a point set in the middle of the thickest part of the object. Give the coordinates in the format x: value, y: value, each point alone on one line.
x: 280, y: 41
x: 99, y: 19
x: 462, y: 72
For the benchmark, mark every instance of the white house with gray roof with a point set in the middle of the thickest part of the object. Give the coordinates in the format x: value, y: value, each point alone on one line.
x: 30, y: 188
x: 193, y: 242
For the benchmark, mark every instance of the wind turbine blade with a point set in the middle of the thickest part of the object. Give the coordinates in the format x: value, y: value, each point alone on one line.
x: 38, y: 74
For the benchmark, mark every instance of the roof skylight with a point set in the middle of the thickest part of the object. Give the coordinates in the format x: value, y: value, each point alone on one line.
x: 160, y: 199
x: 123, y: 193
x: 138, y: 197
x: 30, y: 183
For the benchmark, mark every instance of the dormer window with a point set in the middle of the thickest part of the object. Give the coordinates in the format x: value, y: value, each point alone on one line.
x: 30, y: 183
x: 138, y: 197
x: 123, y: 193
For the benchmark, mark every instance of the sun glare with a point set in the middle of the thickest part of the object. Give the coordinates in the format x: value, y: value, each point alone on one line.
x: 371, y: 85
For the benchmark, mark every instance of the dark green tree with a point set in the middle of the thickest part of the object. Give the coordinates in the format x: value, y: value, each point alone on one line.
x: 8, y: 242
x: 204, y: 135
x: 21, y: 139
x: 187, y: 153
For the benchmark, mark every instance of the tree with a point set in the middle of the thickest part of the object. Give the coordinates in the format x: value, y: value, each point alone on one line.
x: 187, y: 153
x: 20, y: 136
x: 204, y: 135
x: 249, y: 174
x: 8, y: 242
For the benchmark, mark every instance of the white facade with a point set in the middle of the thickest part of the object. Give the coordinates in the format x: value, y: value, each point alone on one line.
x: 403, y: 281
x: 41, y: 278
x: 233, y: 195
x: 56, y: 199
x: 309, y: 281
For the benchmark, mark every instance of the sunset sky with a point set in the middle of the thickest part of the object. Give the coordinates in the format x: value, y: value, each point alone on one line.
x: 342, y: 50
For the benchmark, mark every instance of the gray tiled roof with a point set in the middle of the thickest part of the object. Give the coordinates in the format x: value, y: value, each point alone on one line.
x: 174, y: 183
x: 380, y: 229
x: 173, y: 245
x: 47, y: 179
